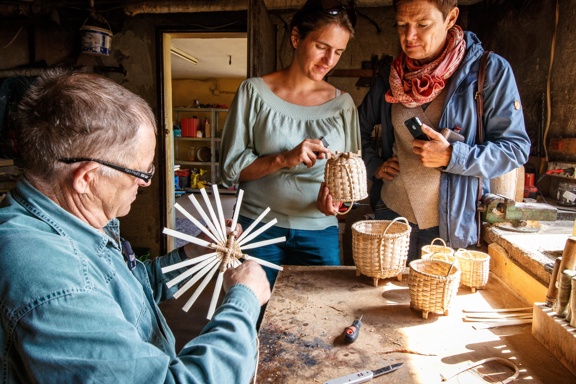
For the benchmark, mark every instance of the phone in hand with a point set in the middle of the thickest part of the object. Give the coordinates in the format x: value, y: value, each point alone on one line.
x: 414, y: 125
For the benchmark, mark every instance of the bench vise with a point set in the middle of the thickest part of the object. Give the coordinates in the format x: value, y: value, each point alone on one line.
x: 498, y: 209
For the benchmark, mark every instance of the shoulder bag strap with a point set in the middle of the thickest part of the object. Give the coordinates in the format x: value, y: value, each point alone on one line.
x: 480, y: 133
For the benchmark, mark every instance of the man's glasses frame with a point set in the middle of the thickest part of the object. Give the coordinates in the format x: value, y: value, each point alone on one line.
x: 146, y: 176
x: 334, y: 7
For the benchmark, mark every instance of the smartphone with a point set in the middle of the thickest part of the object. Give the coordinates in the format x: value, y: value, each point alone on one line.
x: 414, y: 125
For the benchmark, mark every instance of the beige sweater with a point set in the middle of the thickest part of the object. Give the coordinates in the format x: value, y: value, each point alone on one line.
x: 414, y: 193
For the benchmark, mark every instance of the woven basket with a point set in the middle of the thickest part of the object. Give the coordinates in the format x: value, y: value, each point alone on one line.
x: 475, y: 268
x: 380, y: 248
x: 428, y: 250
x: 433, y: 285
x: 345, y: 177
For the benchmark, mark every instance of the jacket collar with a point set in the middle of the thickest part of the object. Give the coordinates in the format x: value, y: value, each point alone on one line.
x: 62, y: 221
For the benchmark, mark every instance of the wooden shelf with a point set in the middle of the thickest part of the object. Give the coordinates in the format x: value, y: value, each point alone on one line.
x: 216, y: 118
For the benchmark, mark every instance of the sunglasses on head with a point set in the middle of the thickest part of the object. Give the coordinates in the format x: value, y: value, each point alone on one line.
x: 334, y: 7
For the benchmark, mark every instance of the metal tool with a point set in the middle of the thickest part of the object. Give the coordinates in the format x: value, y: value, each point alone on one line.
x: 363, y: 376
x: 499, y: 209
x: 351, y: 332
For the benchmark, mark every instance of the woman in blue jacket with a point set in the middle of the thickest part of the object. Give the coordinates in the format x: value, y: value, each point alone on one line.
x: 434, y: 183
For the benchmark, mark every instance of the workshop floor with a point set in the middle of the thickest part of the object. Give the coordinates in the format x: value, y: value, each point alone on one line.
x: 187, y: 325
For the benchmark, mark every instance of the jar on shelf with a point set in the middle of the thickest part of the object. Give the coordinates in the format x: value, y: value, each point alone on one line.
x: 566, y: 194
x: 191, y: 153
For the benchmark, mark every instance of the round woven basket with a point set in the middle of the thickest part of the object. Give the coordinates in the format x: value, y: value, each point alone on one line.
x: 380, y: 248
x: 433, y: 285
x: 475, y: 268
x: 345, y: 177
x: 428, y: 250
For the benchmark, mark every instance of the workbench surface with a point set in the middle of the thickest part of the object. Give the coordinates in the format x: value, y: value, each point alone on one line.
x: 301, y: 333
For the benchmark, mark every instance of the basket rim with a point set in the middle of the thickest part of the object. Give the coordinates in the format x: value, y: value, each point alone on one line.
x: 472, y: 255
x: 451, y: 276
x: 355, y: 226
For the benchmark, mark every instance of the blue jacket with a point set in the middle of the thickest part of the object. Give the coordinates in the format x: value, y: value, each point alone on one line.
x: 506, y: 145
x: 72, y: 312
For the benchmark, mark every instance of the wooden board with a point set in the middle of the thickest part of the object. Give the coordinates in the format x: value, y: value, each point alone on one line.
x: 301, y: 337
x: 556, y: 335
x: 520, y: 282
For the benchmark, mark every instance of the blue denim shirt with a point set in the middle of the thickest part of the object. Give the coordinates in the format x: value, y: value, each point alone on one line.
x: 72, y: 311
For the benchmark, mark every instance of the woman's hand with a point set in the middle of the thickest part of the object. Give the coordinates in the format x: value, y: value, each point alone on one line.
x: 325, y: 203
x: 389, y: 169
x: 307, y: 152
x: 435, y: 152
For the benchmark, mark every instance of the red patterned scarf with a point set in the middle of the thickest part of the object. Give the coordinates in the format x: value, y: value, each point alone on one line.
x: 414, y: 85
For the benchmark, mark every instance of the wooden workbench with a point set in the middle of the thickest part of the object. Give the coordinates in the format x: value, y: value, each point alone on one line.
x: 301, y: 332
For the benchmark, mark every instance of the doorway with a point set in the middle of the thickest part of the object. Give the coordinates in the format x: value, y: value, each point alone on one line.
x: 202, y: 72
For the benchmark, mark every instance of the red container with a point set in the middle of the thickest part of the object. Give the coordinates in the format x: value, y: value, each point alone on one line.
x: 530, y: 191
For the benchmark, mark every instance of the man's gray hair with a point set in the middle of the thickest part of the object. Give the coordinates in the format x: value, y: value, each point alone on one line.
x: 66, y: 114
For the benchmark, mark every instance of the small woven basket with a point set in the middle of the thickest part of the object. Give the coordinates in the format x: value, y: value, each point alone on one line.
x: 345, y: 177
x: 380, y: 247
x: 438, y: 252
x: 428, y: 250
x: 433, y: 285
x: 475, y: 268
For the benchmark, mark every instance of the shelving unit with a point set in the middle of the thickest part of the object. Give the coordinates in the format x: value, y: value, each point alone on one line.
x: 188, y: 151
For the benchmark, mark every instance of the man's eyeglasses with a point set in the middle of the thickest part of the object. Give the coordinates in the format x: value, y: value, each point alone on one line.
x: 334, y: 7
x: 146, y: 176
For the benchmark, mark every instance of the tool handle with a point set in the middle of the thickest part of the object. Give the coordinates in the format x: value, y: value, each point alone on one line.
x: 351, y: 332
x: 552, y: 293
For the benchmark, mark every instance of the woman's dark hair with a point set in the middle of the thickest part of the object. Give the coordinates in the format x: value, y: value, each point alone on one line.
x: 445, y: 6
x: 316, y: 14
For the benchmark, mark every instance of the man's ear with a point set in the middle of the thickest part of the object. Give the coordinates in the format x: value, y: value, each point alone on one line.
x: 83, y: 176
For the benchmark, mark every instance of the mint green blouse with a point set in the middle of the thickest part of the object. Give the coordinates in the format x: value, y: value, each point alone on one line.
x: 260, y: 123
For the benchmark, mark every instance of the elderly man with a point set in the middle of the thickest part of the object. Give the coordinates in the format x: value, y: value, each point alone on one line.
x: 74, y: 308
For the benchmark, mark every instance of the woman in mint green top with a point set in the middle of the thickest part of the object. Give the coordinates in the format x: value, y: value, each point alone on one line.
x: 271, y: 148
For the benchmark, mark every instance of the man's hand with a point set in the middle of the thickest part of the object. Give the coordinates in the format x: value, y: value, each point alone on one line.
x: 252, y: 275
x: 433, y: 153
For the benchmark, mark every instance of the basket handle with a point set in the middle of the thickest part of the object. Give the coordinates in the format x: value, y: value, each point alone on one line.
x: 464, y: 251
x: 451, y: 266
x: 346, y: 211
x: 439, y: 238
x: 482, y: 362
x: 348, y: 176
x: 396, y: 219
x: 444, y: 256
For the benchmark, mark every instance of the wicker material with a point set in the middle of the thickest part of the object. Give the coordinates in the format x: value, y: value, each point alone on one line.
x: 380, y: 247
x: 428, y: 250
x: 475, y: 268
x: 433, y: 285
x: 438, y: 252
x: 345, y: 176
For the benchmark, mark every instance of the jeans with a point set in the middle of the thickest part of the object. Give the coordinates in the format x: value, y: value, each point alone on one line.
x: 302, y: 247
x: 418, y: 237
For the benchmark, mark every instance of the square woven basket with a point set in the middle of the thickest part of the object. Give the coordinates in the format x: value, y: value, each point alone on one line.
x: 433, y: 285
x: 380, y: 248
